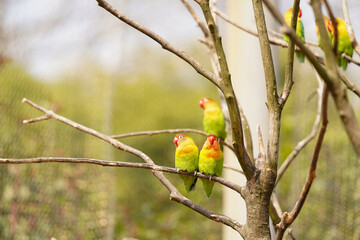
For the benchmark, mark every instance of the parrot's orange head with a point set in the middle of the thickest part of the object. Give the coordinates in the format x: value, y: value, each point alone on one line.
x: 330, y: 27
x: 179, y: 138
x: 211, y: 138
x: 203, y: 102
x: 300, y: 13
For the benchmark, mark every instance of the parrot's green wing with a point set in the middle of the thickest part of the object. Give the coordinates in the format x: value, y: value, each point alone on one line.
x: 215, y: 124
x: 210, y: 166
x: 188, y: 162
x: 301, y: 34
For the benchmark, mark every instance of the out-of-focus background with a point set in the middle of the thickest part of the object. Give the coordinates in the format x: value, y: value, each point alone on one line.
x: 80, y: 61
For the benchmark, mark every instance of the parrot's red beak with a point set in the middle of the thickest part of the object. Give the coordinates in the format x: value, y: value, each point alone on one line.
x: 300, y: 13
x: 176, y: 141
x: 201, y: 103
x: 211, y: 139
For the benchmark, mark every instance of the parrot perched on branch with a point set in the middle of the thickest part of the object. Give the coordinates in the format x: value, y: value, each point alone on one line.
x: 330, y: 30
x: 344, y: 43
x: 186, y: 159
x: 210, y: 161
x: 299, y: 31
x: 214, y: 120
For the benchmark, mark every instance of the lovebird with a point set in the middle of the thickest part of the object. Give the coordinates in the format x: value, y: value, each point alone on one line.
x: 330, y: 30
x: 210, y: 161
x: 186, y: 159
x: 344, y: 44
x: 214, y: 120
x: 299, y: 31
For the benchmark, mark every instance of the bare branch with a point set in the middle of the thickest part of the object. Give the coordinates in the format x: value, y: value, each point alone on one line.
x: 350, y: 85
x: 302, y: 144
x: 274, y: 110
x: 275, y: 41
x: 175, y: 195
x: 343, y: 55
x: 288, y: 82
x: 288, y: 218
x: 42, y: 118
x: 201, y: 24
x: 165, y: 44
x: 278, y: 40
x: 233, y: 169
x: 155, y: 132
x: 349, y: 27
x: 105, y: 163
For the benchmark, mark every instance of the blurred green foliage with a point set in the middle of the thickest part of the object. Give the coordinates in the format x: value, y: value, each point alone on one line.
x: 74, y: 201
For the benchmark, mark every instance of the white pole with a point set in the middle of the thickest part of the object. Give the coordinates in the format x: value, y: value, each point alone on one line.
x: 243, y: 54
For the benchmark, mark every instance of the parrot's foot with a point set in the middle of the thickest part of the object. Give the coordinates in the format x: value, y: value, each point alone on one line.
x: 210, y: 177
x: 178, y: 170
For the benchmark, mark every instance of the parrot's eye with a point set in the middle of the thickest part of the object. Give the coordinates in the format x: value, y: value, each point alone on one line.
x: 181, y: 136
x: 206, y: 100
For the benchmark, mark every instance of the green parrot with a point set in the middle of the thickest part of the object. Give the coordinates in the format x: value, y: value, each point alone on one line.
x: 211, y: 161
x: 214, y: 120
x: 299, y: 31
x: 344, y: 44
x: 330, y: 30
x: 186, y: 159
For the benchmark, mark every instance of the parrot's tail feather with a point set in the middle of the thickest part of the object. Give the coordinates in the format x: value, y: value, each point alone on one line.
x: 344, y: 63
x: 338, y: 60
x: 189, y: 182
x: 208, y: 186
x: 300, y: 56
x: 193, y: 185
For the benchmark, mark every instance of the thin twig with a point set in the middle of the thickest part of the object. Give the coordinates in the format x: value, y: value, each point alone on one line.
x: 302, y: 144
x: 233, y: 169
x: 198, y: 20
x: 349, y: 27
x: 165, y: 44
x: 350, y: 85
x: 106, y: 163
x: 288, y: 218
x: 45, y: 117
x: 343, y: 55
x: 155, y: 132
x: 289, y: 68
x: 275, y: 41
x: 175, y: 195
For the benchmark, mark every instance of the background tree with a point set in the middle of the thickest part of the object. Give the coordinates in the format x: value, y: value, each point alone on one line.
x: 261, y: 174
